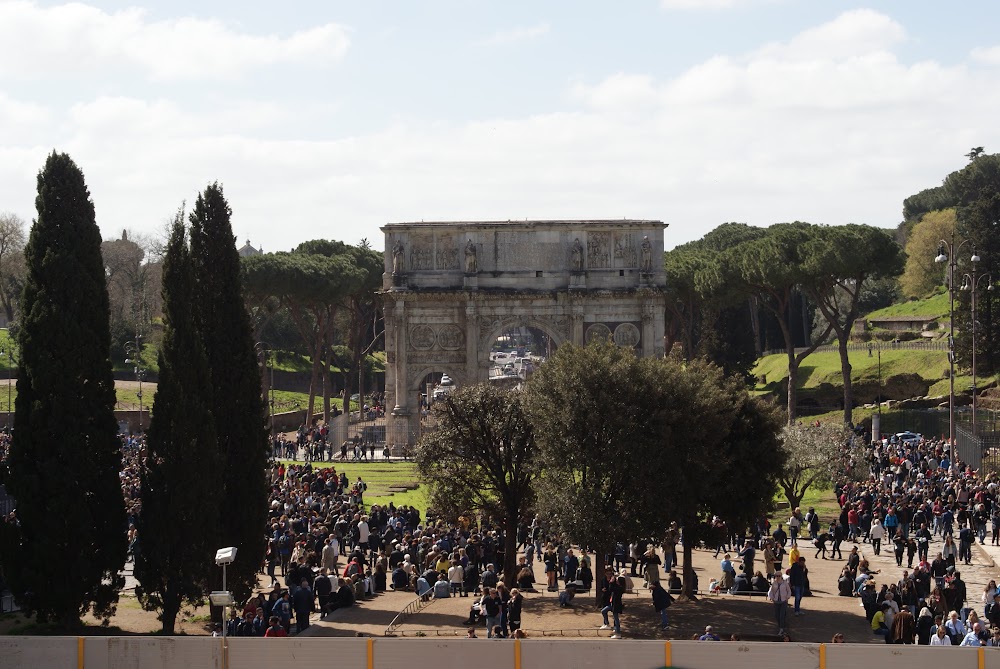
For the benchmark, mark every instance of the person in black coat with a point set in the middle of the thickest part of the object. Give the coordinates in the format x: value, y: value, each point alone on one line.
x: 302, y: 603
x: 323, y: 588
x: 661, y: 602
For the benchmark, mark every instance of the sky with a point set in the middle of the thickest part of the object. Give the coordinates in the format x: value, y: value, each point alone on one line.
x: 329, y: 119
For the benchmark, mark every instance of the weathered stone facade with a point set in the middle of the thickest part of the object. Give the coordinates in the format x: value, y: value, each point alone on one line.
x: 452, y: 288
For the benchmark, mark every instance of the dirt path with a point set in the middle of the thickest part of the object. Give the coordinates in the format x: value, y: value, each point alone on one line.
x: 825, y: 612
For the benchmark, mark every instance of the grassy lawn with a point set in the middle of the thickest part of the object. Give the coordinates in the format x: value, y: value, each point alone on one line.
x: 287, y: 400
x: 379, y: 476
x: 289, y: 361
x: 824, y: 367
x: 821, y: 499
x: 7, y: 344
x: 934, y: 306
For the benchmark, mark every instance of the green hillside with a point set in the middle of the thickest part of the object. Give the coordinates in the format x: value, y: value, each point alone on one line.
x: 935, y: 306
x: 820, y: 376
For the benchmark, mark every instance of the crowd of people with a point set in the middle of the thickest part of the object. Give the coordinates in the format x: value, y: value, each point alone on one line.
x: 930, y: 511
x: 327, y: 550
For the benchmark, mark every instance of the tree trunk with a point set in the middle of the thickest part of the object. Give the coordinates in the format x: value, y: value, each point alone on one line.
x: 758, y: 343
x: 806, y: 325
x: 313, y: 383
x: 168, y: 618
x: 326, y: 384
x: 599, y: 574
x: 845, y: 369
x: 794, y: 500
x: 688, y: 591
x: 793, y: 382
x: 510, y: 549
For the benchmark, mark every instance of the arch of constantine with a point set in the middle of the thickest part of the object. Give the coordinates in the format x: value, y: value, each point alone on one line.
x: 450, y: 289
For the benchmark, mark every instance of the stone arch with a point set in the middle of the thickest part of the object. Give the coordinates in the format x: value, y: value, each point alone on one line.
x: 559, y: 330
x: 448, y: 368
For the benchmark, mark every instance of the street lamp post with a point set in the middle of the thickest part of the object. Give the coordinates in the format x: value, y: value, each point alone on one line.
x: 971, y: 283
x: 871, y: 348
x: 947, y: 252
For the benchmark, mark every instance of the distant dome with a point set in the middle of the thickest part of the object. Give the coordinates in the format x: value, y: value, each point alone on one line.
x: 248, y: 250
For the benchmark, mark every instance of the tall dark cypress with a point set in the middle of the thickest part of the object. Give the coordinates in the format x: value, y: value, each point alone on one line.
x: 236, y: 401
x: 66, y: 456
x: 179, y: 526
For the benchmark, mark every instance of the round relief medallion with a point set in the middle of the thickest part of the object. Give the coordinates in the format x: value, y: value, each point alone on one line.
x: 597, y: 331
x: 450, y: 337
x: 422, y: 337
x: 627, y: 335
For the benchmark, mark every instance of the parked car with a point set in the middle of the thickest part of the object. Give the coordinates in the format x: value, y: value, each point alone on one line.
x: 906, y: 438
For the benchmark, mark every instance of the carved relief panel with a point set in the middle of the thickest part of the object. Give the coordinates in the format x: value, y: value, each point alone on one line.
x: 422, y: 337
x: 626, y: 255
x: 599, y: 250
x: 441, y: 337
x: 421, y: 253
x: 597, y: 332
x: 627, y: 335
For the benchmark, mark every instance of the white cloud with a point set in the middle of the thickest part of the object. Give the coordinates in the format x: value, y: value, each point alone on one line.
x: 76, y: 38
x: 828, y: 134
x: 518, y: 34
x: 987, y: 56
x: 710, y: 5
x: 853, y: 34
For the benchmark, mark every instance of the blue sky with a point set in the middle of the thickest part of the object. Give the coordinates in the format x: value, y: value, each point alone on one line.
x: 328, y: 119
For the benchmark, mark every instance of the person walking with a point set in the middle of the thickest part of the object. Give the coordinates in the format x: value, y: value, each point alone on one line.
x: 876, y: 534
x: 661, y: 602
x: 614, y: 606
x: 779, y: 594
x: 797, y: 582
x: 904, y: 627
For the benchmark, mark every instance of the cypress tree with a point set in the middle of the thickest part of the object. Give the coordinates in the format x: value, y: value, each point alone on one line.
x: 65, y: 458
x: 179, y: 525
x: 236, y: 385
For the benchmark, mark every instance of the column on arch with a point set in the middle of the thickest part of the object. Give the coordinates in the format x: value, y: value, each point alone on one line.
x: 473, y: 368
x: 648, y: 331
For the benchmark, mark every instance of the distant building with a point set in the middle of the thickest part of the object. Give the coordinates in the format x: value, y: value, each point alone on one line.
x: 248, y: 250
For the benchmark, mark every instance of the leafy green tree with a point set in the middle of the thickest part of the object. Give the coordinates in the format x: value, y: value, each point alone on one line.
x: 600, y: 426
x: 717, y: 325
x: 481, y: 458
x: 977, y: 189
x: 356, y: 303
x: 722, y: 456
x: 917, y: 206
x: 627, y: 445
x: 840, y: 260
x: 312, y: 287
x: 922, y: 275
x: 773, y: 268
x: 180, y: 472
x: 236, y: 402
x: 12, y: 267
x: 66, y: 457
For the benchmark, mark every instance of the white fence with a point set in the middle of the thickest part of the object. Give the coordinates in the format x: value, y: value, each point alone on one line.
x: 388, y: 653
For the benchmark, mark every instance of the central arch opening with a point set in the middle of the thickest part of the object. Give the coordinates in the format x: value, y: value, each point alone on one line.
x: 517, y: 352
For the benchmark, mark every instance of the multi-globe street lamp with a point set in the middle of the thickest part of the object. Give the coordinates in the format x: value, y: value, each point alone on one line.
x: 971, y: 282
x: 947, y: 253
